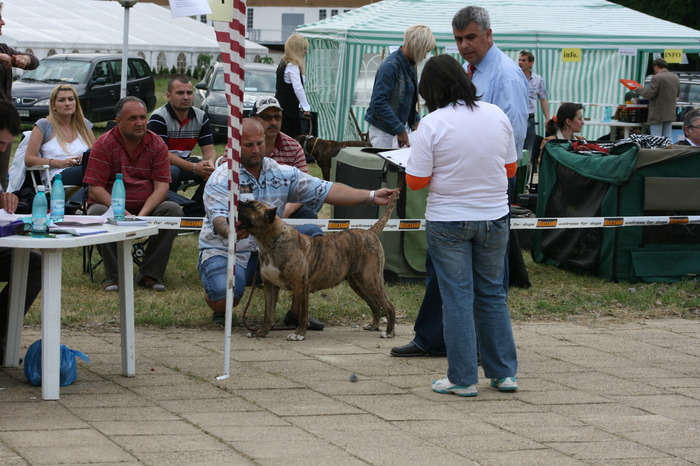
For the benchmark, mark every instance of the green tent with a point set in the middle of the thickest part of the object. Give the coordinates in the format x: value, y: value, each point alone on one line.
x: 615, y: 42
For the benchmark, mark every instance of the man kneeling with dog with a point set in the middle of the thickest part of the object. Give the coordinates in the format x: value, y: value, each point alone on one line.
x: 262, y: 179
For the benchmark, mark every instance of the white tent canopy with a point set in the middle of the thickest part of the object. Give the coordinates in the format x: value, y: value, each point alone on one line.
x: 615, y: 43
x: 49, y: 26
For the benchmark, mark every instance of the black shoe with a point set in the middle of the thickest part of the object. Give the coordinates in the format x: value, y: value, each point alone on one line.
x: 410, y: 350
x: 292, y: 320
x: 219, y: 318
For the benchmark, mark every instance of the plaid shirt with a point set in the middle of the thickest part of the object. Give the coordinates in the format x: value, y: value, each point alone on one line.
x: 537, y: 91
x: 149, y: 164
x: 288, y: 151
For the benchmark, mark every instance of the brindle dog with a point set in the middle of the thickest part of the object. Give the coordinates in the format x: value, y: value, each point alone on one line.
x: 323, y: 150
x: 305, y: 264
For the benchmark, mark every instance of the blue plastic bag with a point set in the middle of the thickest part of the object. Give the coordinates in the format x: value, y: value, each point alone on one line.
x: 69, y: 368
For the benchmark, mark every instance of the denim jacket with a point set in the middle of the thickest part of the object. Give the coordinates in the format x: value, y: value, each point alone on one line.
x: 394, y: 95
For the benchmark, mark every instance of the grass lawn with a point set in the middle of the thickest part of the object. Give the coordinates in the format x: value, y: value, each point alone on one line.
x: 555, y: 295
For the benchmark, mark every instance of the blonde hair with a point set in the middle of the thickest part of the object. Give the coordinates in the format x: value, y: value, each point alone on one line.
x: 77, y: 120
x: 418, y: 40
x: 294, y: 51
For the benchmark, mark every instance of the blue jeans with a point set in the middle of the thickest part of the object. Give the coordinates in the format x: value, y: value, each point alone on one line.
x: 468, y: 258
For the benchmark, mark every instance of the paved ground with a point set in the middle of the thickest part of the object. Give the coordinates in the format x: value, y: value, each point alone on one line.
x: 604, y: 394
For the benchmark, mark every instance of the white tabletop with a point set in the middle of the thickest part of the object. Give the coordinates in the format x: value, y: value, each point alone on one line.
x: 113, y: 233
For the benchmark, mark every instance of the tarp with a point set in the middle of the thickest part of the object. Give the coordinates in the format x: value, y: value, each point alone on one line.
x: 615, y: 42
x: 625, y: 184
x: 90, y: 26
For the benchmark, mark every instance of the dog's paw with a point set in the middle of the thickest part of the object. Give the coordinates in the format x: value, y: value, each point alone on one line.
x: 371, y: 327
x: 386, y: 335
x: 251, y: 335
x: 295, y: 337
x: 256, y: 335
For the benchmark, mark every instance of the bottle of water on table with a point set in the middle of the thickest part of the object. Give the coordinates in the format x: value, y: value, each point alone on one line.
x: 608, y: 114
x: 118, y: 198
x: 58, y: 199
x: 40, y: 206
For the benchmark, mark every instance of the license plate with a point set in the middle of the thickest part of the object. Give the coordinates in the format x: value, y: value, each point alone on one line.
x: 23, y: 113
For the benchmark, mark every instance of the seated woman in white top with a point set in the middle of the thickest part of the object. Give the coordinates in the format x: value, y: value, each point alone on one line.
x: 60, y: 139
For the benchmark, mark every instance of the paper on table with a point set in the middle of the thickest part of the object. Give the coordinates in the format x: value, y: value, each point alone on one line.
x: 80, y: 221
x: 397, y: 157
x: 75, y: 230
x: 128, y: 221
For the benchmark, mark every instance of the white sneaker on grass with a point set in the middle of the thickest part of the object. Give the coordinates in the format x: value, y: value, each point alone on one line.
x: 447, y: 387
x: 507, y: 384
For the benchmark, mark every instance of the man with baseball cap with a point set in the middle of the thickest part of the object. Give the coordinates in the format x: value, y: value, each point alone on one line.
x: 281, y: 148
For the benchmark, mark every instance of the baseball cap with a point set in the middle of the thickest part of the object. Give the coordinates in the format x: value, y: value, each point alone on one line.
x: 263, y: 103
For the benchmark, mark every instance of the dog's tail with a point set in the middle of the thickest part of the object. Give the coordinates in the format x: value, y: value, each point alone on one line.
x: 381, y: 223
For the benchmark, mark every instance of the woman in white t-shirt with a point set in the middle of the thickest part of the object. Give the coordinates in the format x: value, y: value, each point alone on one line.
x: 60, y: 139
x: 464, y: 151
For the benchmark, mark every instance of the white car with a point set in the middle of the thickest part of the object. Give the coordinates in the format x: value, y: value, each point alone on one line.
x: 210, y: 94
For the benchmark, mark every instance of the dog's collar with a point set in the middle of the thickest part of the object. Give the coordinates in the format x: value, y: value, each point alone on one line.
x: 276, y: 240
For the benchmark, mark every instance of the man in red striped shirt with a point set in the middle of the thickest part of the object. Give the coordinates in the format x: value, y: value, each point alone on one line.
x: 282, y: 149
x: 142, y: 159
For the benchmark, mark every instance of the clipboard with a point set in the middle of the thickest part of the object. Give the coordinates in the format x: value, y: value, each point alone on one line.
x: 398, y: 157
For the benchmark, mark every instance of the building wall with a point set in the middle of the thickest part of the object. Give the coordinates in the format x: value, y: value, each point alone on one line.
x: 273, y: 25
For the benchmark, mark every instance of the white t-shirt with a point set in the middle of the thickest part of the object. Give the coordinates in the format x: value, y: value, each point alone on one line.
x: 53, y: 150
x: 464, y: 152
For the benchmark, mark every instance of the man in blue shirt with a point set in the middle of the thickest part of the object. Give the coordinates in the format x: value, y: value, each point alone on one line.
x: 499, y: 81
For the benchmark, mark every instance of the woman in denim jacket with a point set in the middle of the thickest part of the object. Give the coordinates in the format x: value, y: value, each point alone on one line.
x: 392, y: 109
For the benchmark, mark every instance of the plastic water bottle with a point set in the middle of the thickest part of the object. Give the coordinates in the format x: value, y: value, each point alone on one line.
x: 608, y: 114
x: 58, y: 199
x: 40, y: 206
x: 118, y: 198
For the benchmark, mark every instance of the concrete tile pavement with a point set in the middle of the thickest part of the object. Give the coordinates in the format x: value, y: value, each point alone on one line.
x: 606, y: 393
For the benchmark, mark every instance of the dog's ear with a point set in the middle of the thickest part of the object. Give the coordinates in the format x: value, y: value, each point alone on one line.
x: 270, y: 214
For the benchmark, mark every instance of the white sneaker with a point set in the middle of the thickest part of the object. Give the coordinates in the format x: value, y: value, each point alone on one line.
x: 507, y: 384
x: 447, y: 387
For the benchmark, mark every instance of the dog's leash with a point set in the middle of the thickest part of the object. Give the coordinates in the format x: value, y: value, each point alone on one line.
x: 313, y: 148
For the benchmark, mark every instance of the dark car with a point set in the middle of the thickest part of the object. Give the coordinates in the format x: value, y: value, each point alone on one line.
x: 210, y: 95
x: 96, y: 78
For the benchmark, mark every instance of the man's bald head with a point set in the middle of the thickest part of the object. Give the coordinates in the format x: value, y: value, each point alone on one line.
x: 252, y: 144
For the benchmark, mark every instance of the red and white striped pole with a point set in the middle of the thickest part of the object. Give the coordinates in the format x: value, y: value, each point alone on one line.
x: 231, y: 38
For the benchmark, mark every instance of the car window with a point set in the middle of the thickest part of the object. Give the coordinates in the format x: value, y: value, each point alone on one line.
x: 59, y: 71
x: 141, y: 67
x: 102, y: 71
x: 693, y: 92
x: 117, y: 68
x: 219, y: 84
x: 260, y: 81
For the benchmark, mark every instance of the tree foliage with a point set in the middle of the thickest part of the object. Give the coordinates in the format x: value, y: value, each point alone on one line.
x: 685, y: 12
